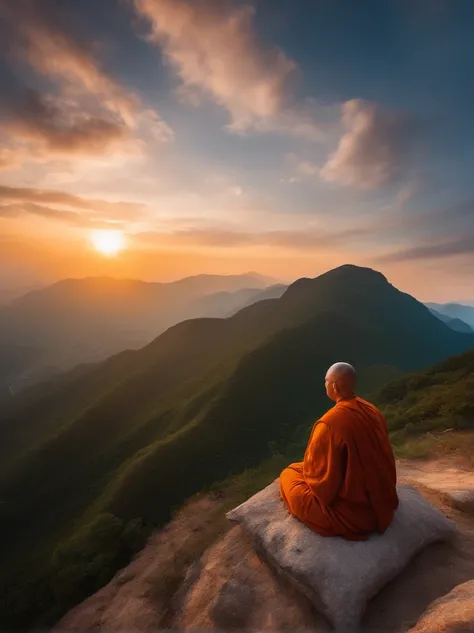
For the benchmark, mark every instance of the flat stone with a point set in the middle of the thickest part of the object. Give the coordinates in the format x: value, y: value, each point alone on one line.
x: 339, y: 576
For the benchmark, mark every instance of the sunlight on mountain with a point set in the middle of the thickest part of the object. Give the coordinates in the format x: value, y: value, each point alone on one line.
x: 108, y: 242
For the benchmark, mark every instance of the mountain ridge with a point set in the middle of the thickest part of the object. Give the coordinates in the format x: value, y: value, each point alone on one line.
x: 455, y: 310
x: 83, y: 320
x: 137, y: 434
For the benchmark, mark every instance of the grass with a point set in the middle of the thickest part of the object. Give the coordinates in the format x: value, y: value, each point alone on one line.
x: 419, y: 448
x: 431, y: 413
x: 435, y: 446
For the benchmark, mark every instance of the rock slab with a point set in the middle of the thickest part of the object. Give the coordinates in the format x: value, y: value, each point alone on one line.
x: 453, y: 613
x: 339, y: 576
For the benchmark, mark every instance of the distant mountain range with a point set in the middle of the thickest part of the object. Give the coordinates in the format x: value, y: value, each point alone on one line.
x: 225, y: 304
x: 77, y: 321
x: 454, y: 324
x: 9, y: 293
x: 90, y: 455
x: 454, y: 314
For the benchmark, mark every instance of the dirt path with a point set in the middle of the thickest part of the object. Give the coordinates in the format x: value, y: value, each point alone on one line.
x: 451, y: 477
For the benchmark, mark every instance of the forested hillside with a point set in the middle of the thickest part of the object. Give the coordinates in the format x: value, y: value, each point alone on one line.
x: 93, y: 460
x: 437, y: 401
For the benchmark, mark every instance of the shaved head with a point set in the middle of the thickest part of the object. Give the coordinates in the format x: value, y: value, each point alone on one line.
x: 338, y: 370
x: 340, y: 381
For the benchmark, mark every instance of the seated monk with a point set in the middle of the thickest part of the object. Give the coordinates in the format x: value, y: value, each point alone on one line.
x: 345, y: 485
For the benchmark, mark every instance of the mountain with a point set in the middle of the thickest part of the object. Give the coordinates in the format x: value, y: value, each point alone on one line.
x: 272, y: 292
x: 9, y: 294
x: 225, y: 304
x: 455, y: 311
x: 112, y: 448
x: 84, y: 320
x: 433, y: 409
x: 453, y: 323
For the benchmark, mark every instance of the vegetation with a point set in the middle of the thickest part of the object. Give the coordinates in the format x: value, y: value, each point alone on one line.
x: 426, y: 411
x: 112, y: 449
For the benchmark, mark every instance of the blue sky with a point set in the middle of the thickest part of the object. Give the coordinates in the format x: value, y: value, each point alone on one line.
x: 224, y: 136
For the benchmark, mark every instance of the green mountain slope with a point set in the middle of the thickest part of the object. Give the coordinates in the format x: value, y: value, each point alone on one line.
x: 85, y: 320
x: 131, y: 438
x: 435, y: 400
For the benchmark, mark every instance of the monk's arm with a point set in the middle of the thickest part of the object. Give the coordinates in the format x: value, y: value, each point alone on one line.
x: 324, y: 464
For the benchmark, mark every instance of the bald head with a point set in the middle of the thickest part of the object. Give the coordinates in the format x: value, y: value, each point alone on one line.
x: 338, y: 370
x: 340, y: 381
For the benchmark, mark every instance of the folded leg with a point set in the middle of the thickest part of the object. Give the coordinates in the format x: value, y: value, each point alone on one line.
x: 301, y: 502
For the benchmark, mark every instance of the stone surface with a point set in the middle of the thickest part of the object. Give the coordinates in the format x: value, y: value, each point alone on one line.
x: 339, y: 576
x: 234, y: 589
x: 233, y: 605
x: 462, y: 499
x: 453, y: 478
x: 453, y: 613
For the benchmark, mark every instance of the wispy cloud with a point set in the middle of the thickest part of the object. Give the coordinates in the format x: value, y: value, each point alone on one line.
x: 215, y: 237
x: 66, y: 207
x: 10, y: 158
x: 213, y: 47
x: 45, y: 42
x: 18, y: 209
x: 58, y: 126
x: 307, y: 168
x: 375, y: 149
x: 89, y: 112
x: 448, y: 248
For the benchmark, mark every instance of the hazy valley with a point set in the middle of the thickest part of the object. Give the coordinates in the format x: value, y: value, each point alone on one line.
x: 78, y: 321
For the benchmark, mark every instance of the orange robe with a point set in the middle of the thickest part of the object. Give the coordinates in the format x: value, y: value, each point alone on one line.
x: 345, y: 485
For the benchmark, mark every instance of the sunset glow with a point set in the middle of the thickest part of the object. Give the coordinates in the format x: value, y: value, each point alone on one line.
x: 235, y: 136
x: 108, y: 242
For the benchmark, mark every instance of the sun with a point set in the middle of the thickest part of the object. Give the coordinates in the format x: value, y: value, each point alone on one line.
x: 108, y: 241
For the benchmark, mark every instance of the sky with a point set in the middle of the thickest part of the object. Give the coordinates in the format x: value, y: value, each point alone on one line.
x: 221, y: 136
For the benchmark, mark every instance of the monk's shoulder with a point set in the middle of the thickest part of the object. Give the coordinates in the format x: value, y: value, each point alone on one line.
x: 365, y: 404
x: 336, y: 420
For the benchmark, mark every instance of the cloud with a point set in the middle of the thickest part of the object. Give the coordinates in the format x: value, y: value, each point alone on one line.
x: 89, y: 112
x: 16, y: 201
x: 60, y: 127
x: 45, y: 42
x: 450, y: 248
x: 375, y: 149
x: 306, y: 240
x: 72, y: 218
x: 17, y: 209
x: 213, y: 47
x: 307, y: 168
x: 441, y: 221
x: 301, y: 169
x: 407, y: 192
x: 10, y: 157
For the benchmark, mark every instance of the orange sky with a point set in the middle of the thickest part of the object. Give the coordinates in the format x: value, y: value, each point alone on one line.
x: 215, y: 150
x: 44, y: 256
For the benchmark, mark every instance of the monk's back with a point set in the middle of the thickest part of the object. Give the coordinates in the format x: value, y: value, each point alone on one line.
x: 367, y: 498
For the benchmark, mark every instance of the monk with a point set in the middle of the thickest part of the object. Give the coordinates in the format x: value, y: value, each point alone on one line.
x: 345, y: 485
